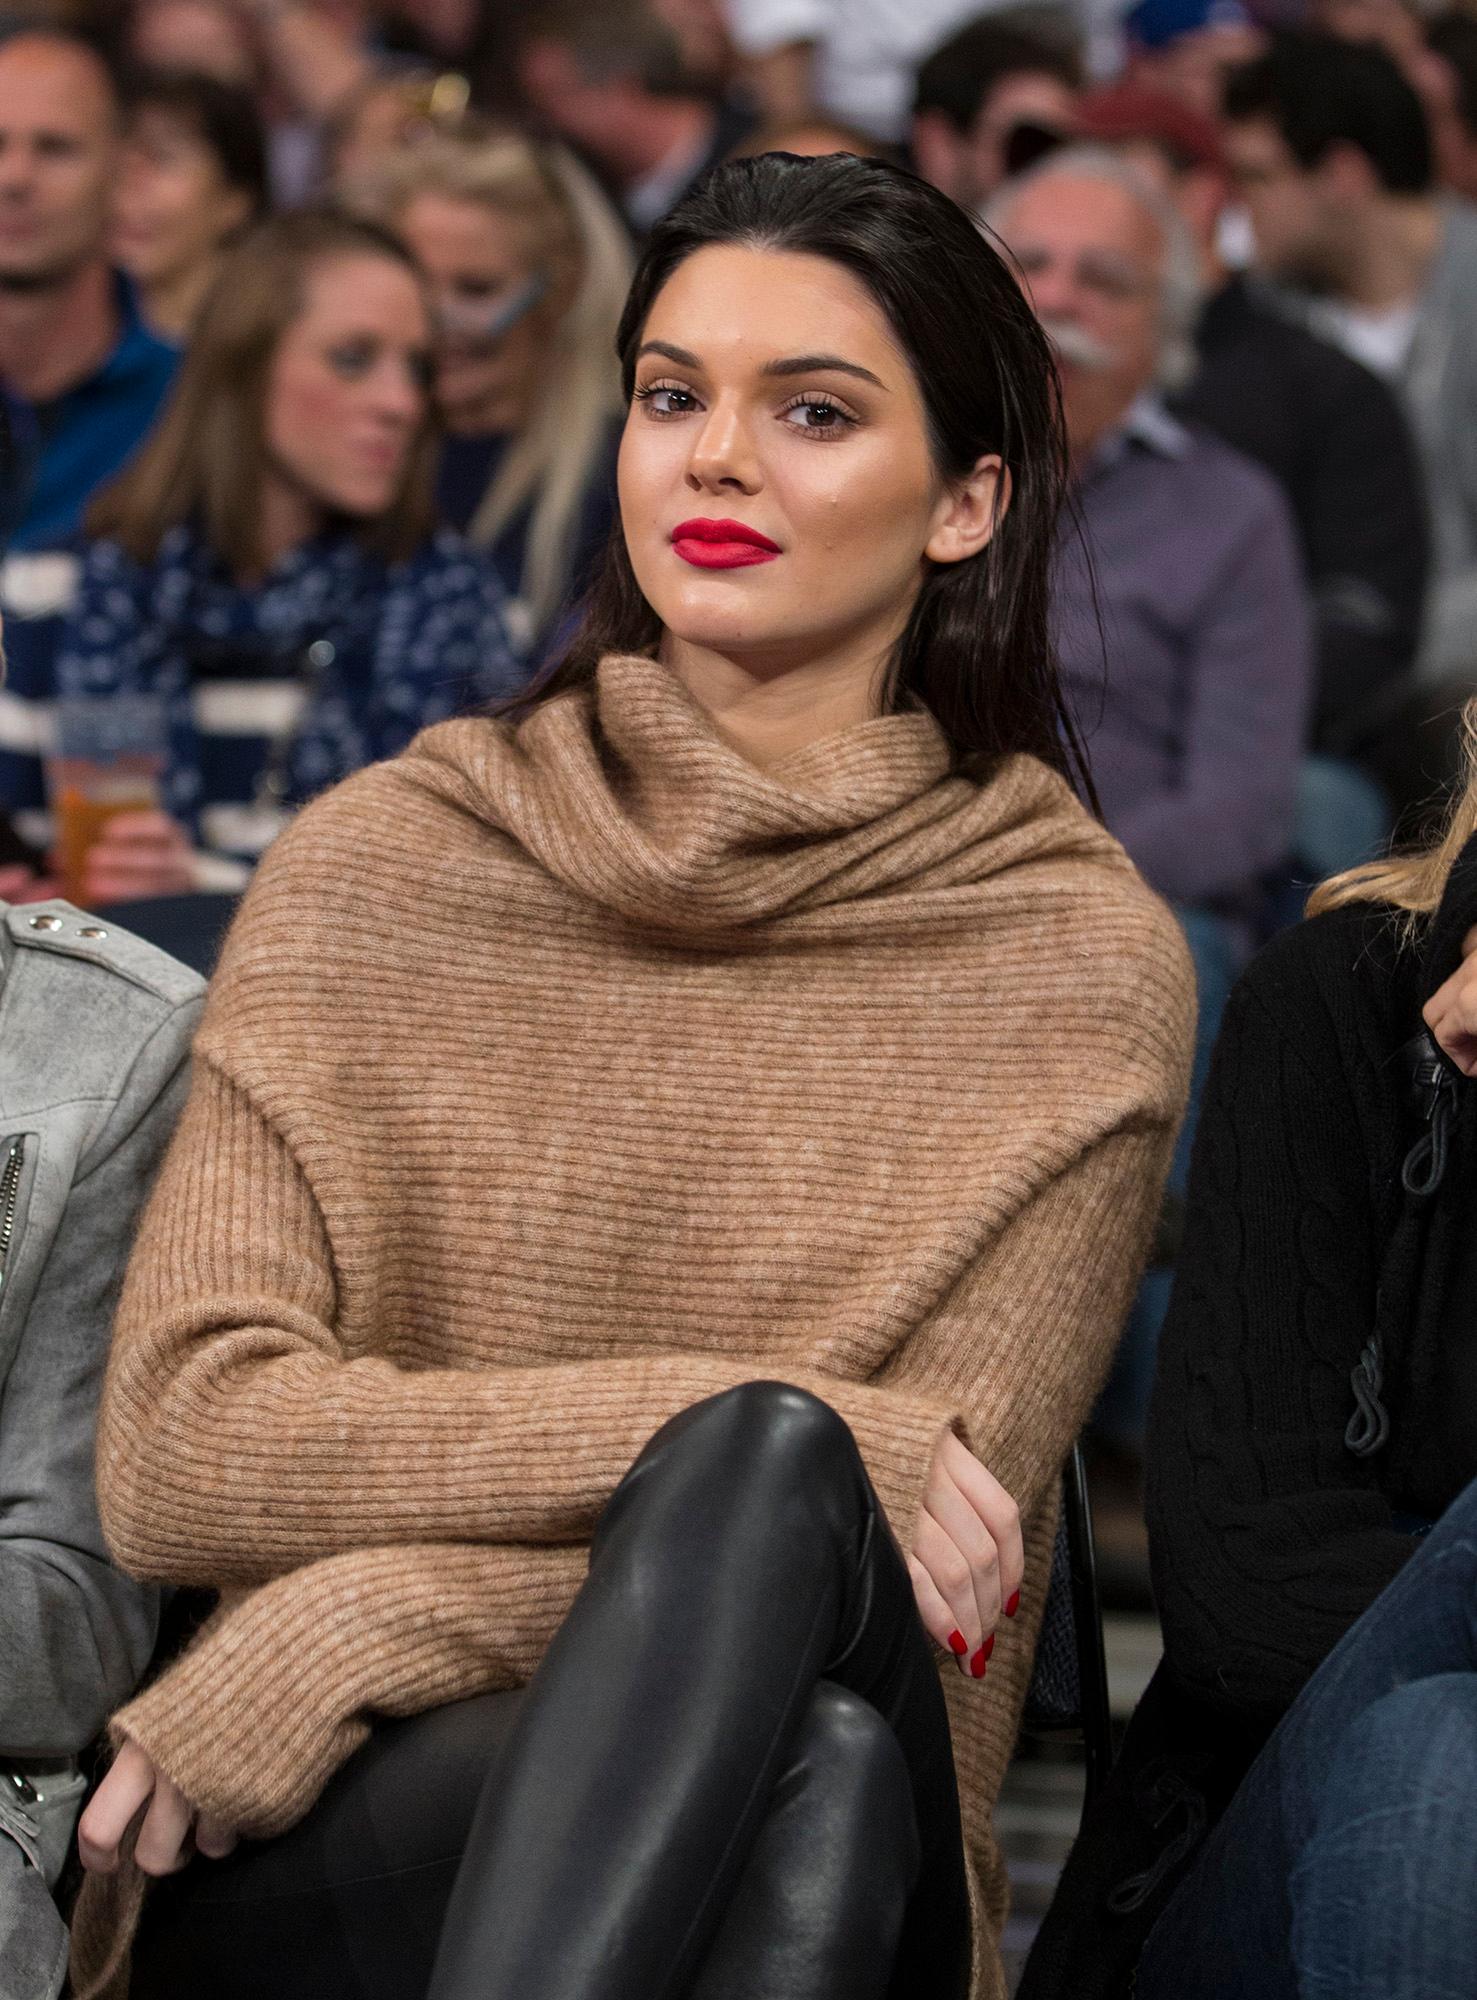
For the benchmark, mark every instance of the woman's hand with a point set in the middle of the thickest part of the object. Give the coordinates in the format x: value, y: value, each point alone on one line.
x: 172, y: 1830
x: 967, y: 1558
x: 1451, y: 1011
x: 138, y: 854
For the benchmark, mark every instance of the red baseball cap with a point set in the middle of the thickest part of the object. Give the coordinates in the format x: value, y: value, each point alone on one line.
x: 1121, y: 112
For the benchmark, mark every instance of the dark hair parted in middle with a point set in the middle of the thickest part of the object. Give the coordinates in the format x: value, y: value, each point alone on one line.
x: 977, y: 650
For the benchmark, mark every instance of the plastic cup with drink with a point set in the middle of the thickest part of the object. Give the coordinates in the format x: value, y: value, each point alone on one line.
x: 109, y: 757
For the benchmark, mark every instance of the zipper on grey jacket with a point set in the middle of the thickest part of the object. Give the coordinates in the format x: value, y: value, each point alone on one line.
x: 10, y: 1194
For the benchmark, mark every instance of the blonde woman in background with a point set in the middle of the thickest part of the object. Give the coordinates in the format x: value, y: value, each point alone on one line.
x: 1294, y: 1812
x: 528, y: 267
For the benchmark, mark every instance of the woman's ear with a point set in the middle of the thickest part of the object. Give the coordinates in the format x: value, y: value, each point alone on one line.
x: 970, y: 511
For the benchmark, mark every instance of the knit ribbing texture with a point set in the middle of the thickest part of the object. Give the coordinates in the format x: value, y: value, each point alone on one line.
x: 558, y: 1075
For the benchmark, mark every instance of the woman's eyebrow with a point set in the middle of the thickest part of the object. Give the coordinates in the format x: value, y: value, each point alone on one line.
x: 681, y: 355
x: 813, y: 364
x: 797, y: 364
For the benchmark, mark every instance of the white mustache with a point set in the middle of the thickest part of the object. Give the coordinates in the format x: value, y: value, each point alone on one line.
x: 1081, y: 350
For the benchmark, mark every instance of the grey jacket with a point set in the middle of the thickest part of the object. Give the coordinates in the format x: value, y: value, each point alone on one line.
x: 1439, y: 386
x: 95, y: 1029
x: 1440, y: 382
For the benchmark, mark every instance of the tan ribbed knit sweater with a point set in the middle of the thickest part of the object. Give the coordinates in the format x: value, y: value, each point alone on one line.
x: 558, y: 1077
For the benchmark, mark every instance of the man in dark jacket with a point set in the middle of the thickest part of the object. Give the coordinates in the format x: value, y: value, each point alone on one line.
x: 1332, y: 434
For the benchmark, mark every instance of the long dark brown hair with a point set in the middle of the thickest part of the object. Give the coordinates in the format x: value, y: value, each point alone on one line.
x: 206, y: 459
x: 977, y: 649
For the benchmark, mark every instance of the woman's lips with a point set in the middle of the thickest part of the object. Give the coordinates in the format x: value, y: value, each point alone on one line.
x: 722, y: 545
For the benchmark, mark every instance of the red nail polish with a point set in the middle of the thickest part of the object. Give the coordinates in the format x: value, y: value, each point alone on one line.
x: 958, y: 1644
x: 1013, y: 1604
x: 977, y: 1664
x: 988, y: 1647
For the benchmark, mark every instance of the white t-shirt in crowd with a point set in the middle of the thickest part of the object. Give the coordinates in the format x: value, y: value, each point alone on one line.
x: 1381, y: 340
x: 866, y: 51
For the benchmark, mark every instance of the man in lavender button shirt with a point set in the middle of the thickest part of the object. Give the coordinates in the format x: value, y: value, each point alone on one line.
x: 1194, y: 695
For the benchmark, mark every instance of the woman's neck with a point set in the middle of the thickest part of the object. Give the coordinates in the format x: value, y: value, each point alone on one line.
x: 288, y: 519
x: 172, y: 303
x: 768, y: 710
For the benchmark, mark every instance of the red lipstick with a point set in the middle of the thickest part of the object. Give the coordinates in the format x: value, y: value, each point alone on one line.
x: 722, y: 545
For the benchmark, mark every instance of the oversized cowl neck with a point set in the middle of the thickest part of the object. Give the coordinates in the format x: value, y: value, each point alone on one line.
x: 625, y: 791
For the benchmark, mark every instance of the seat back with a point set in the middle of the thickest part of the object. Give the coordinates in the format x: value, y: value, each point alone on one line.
x: 1069, y: 1677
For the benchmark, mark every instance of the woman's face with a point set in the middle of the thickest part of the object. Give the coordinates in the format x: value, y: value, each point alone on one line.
x: 771, y: 394
x: 209, y: 36
x: 173, y: 207
x: 476, y: 261
x: 347, y: 391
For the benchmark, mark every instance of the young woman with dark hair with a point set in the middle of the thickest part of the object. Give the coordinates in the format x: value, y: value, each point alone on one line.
x: 666, y: 1168
x: 193, y: 180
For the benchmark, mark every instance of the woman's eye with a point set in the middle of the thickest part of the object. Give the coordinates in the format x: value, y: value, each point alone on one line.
x: 818, y: 417
x: 352, y: 359
x: 662, y: 400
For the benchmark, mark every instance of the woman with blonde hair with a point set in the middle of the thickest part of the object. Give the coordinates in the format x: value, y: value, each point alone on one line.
x: 268, y: 567
x: 528, y: 267
x: 1312, y: 1489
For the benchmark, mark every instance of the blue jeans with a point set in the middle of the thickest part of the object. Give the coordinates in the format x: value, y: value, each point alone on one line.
x: 1346, y: 1865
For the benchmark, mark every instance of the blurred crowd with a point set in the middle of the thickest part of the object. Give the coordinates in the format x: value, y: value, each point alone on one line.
x: 307, y: 315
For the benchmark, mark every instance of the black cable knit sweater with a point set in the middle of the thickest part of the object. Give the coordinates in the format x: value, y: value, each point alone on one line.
x: 1269, y: 1535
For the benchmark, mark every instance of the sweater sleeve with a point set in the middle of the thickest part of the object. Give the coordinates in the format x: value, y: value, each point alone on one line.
x: 1268, y: 1537
x: 279, y: 1688
x: 398, y: 1629
x: 239, y: 1440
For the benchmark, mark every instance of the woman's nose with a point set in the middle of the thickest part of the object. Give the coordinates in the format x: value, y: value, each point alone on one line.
x: 398, y: 394
x: 723, y: 452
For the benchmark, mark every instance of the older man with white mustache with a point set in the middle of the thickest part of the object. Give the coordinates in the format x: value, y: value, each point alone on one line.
x: 1182, y: 616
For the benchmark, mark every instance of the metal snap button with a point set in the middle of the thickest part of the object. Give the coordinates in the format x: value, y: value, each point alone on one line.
x: 91, y: 931
x: 322, y: 653
x: 48, y: 922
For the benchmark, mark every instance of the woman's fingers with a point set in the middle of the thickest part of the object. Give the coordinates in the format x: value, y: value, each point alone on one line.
x: 938, y: 1620
x: 141, y: 830
x: 164, y: 1843
x: 953, y: 1581
x: 952, y: 1511
x: 113, y: 1808
x: 997, y: 1510
x: 1451, y: 1016
x: 214, y: 1838
x: 138, y: 854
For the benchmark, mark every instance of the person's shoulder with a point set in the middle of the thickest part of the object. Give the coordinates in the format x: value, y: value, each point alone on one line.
x: 446, y: 561
x: 1347, y: 976
x: 55, y: 932
x: 107, y: 564
x: 1083, y: 905
x: 84, y: 998
x: 366, y: 843
x: 1231, y: 485
x: 1459, y: 237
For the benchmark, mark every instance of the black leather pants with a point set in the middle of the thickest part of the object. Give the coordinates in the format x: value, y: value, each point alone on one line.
x: 730, y: 1779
